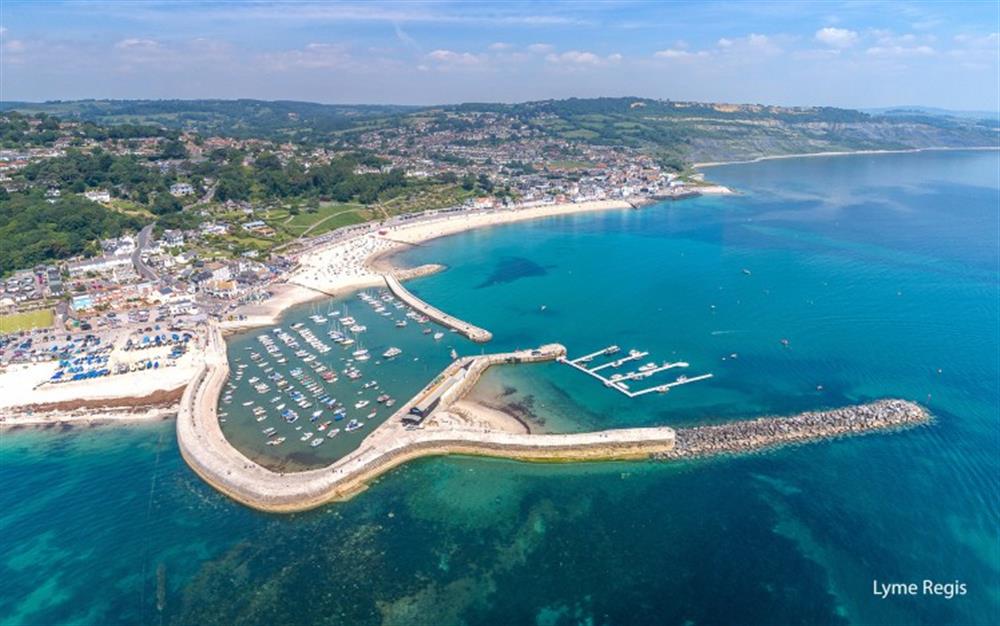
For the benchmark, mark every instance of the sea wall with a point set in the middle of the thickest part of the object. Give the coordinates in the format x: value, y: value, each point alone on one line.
x: 206, y: 450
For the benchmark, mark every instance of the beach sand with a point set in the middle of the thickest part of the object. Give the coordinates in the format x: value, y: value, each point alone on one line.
x: 26, y: 396
x: 359, y: 262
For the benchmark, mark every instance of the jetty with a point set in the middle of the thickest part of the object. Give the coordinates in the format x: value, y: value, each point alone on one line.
x: 206, y: 450
x: 620, y: 382
x: 474, y: 333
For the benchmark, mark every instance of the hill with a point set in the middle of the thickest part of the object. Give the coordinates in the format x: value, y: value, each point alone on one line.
x: 681, y: 132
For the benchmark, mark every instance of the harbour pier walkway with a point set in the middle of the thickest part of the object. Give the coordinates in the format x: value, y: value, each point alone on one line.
x: 474, y: 333
x: 207, y: 451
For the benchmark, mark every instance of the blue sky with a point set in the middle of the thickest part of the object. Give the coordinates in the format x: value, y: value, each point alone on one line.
x: 854, y: 54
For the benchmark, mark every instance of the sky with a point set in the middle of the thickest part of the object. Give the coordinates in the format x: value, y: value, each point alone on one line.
x: 849, y: 54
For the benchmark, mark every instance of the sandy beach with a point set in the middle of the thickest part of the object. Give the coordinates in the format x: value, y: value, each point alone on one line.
x: 360, y: 261
x: 28, y: 397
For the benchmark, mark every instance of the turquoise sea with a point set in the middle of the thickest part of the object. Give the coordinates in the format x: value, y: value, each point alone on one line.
x: 880, y: 271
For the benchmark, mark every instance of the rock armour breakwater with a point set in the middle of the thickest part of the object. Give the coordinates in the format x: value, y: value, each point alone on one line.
x: 768, y: 432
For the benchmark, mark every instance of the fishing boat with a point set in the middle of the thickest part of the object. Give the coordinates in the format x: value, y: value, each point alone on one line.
x: 428, y: 331
x: 372, y: 414
x: 248, y: 403
x: 269, y: 431
x: 353, y: 425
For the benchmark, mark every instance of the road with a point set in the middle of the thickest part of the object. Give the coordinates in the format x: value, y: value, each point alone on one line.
x: 140, y: 266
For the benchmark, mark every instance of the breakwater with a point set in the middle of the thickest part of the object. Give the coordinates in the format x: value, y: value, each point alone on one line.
x: 768, y: 432
x: 207, y: 451
x: 474, y: 333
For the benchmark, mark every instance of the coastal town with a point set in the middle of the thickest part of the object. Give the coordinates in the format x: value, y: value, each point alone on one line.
x: 222, y: 235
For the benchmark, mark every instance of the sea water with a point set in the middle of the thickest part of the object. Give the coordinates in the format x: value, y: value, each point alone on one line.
x: 879, y: 271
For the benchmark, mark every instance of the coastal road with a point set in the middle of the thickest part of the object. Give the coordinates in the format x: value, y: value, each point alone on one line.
x: 140, y: 266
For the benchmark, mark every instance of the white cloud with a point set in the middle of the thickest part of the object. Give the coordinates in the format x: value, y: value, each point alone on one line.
x: 541, y: 48
x: 580, y: 58
x: 134, y: 43
x: 837, y: 37
x: 899, y: 51
x: 14, y: 46
x: 979, y: 41
x: 450, y: 57
x: 676, y: 53
x: 500, y: 45
x: 752, y: 44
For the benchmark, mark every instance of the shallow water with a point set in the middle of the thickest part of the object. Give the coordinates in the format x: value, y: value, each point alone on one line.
x: 881, y: 271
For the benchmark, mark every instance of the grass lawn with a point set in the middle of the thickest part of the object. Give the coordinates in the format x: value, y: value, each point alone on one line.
x: 329, y: 216
x: 25, y: 321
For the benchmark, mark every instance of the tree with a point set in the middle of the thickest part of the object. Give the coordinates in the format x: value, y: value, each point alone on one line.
x: 174, y: 150
x: 468, y: 182
x: 165, y: 204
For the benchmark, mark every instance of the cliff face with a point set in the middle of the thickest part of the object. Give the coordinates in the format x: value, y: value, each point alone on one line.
x: 741, y: 140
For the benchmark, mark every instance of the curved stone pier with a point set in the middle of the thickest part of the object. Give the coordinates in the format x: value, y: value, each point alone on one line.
x: 208, y: 452
x: 474, y: 333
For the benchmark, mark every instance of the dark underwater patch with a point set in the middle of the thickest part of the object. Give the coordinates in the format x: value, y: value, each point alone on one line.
x: 511, y: 268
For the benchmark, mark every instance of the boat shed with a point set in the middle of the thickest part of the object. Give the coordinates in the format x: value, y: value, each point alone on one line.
x: 428, y: 403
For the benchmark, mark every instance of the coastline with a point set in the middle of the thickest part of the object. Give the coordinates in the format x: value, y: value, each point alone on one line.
x: 834, y: 153
x: 364, y: 268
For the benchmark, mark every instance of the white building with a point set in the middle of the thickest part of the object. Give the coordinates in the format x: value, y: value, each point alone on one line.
x: 98, y: 195
x: 181, y: 189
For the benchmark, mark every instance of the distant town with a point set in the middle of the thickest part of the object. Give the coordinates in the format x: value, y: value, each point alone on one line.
x: 148, y: 211
x: 231, y: 214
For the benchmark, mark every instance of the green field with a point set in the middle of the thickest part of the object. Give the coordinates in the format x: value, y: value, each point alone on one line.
x: 329, y: 216
x: 26, y: 321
